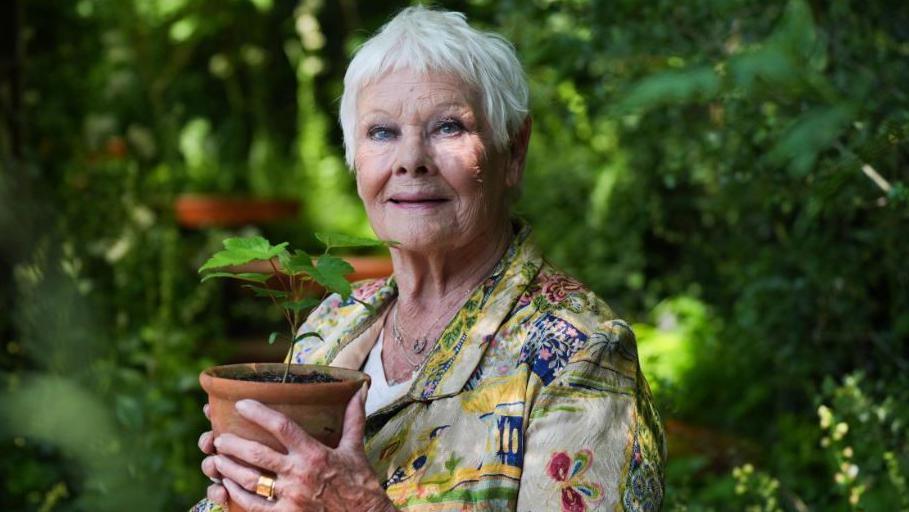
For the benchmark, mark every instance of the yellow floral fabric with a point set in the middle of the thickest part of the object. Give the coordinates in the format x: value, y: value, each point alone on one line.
x: 532, y: 399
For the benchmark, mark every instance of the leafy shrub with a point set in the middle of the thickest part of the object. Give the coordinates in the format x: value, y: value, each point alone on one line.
x: 730, y: 176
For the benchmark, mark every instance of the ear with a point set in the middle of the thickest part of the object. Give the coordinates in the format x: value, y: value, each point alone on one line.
x: 518, y: 154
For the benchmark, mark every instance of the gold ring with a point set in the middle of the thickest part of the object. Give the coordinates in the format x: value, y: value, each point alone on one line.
x: 265, y: 487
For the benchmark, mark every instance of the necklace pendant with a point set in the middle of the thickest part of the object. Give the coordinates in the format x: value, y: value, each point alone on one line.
x: 419, y: 345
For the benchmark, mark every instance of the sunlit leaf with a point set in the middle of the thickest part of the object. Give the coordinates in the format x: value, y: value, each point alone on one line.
x: 238, y: 251
x: 332, y: 240
x: 272, y: 337
x: 184, y: 29
x: 242, y: 276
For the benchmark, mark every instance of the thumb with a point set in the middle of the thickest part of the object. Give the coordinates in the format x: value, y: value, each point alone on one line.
x: 355, y: 420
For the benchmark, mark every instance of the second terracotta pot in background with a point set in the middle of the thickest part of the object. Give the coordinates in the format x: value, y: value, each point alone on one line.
x: 198, y: 211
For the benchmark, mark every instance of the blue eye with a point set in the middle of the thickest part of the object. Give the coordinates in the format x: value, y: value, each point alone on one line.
x: 381, y: 133
x: 450, y: 127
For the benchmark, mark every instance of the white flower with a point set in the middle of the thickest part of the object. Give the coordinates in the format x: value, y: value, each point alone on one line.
x: 826, y: 416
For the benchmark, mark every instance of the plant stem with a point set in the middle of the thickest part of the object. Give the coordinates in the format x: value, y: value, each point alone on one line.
x: 289, y: 292
x: 290, y: 353
x: 289, y: 288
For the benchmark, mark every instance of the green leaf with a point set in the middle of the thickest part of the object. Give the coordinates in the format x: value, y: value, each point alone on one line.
x: 299, y: 305
x: 238, y: 251
x: 672, y: 87
x: 299, y: 262
x: 813, y: 132
x: 266, y: 292
x: 338, y: 240
x: 129, y: 411
x: 308, y: 334
x: 272, y: 337
x: 330, y: 271
x: 254, y: 277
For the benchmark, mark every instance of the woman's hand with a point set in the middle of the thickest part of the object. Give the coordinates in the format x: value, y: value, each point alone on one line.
x: 311, y: 476
x: 215, y: 491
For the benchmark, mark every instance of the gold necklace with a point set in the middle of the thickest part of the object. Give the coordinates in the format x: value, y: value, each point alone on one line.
x: 420, y: 344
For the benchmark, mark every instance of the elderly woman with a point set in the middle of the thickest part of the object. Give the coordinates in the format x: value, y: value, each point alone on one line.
x: 498, y: 382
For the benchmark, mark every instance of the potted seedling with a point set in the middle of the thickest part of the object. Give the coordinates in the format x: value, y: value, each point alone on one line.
x: 313, y: 396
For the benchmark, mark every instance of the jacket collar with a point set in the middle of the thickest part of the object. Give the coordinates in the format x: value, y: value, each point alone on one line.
x: 456, y: 355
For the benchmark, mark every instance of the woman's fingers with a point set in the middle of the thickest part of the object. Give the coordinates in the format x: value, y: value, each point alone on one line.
x: 246, y: 476
x: 251, y: 502
x: 251, y: 453
x: 206, y: 443
x: 355, y: 421
x: 283, y: 428
x: 210, y: 469
x: 217, y: 493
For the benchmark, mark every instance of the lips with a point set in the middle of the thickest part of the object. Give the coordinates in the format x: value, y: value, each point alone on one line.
x: 416, y: 199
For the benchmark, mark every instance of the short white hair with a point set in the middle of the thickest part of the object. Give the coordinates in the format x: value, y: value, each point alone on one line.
x: 422, y: 40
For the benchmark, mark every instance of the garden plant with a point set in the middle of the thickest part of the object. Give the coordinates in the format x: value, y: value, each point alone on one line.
x: 731, y: 177
x: 292, y: 272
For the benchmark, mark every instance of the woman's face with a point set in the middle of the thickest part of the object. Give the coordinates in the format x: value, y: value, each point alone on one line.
x: 427, y: 170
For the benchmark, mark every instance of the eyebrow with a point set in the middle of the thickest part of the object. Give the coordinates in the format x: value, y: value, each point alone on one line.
x: 376, y: 112
x: 452, y: 104
x: 442, y: 106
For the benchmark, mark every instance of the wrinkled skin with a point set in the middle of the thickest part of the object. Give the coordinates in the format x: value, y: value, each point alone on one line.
x: 423, y: 136
x: 311, y: 477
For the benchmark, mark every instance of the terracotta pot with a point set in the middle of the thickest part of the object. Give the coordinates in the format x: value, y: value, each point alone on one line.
x: 317, y: 407
x: 202, y: 211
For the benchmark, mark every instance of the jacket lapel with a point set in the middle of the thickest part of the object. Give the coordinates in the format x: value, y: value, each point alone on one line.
x: 462, y: 344
x: 461, y: 347
x: 348, y: 326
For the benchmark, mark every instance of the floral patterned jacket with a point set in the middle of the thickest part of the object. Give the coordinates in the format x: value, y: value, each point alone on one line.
x: 532, y: 400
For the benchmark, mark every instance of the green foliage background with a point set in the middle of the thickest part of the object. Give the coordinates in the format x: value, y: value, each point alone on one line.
x: 731, y: 176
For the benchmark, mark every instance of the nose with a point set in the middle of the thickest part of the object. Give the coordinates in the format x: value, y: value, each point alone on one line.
x: 413, y: 156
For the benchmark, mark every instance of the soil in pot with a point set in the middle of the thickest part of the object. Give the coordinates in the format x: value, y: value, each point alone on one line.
x: 291, y: 378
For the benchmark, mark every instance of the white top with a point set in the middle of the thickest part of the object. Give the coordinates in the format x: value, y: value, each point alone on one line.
x: 380, y: 393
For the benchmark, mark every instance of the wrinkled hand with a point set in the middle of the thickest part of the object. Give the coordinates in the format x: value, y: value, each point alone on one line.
x: 311, y: 476
x: 206, y: 443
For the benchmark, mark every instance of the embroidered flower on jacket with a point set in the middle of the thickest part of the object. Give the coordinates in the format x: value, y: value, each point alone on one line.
x: 557, y: 287
x: 369, y: 289
x: 577, y: 494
